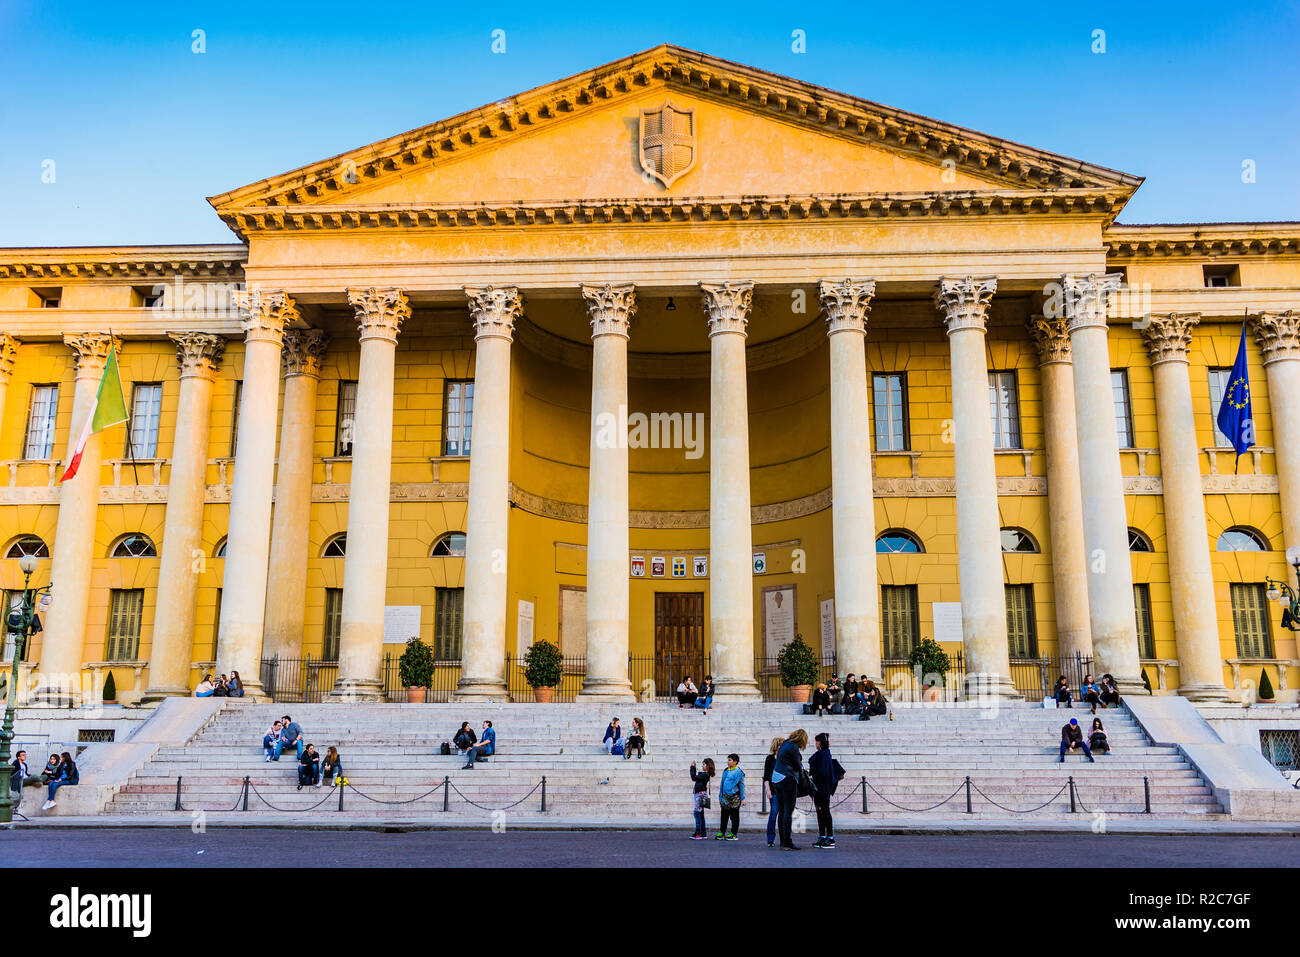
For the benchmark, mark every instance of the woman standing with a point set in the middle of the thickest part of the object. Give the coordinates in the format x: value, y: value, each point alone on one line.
x: 826, y: 773
x: 785, y: 777
x: 700, y: 796
x: 773, y: 804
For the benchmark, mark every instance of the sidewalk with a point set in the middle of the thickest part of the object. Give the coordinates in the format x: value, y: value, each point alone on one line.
x: 844, y: 824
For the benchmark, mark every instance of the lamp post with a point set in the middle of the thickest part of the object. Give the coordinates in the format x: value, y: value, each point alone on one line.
x: 1288, y: 597
x: 17, y: 622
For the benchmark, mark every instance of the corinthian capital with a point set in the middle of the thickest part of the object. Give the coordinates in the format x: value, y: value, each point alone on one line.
x: 1051, y: 337
x: 197, y: 353
x: 611, y: 308
x: 303, y: 351
x: 8, y: 355
x: 494, y: 310
x: 1085, y: 298
x: 91, y: 349
x: 1278, y: 334
x: 264, y: 314
x: 846, y: 303
x: 726, y: 304
x: 1169, y: 336
x: 380, y: 312
x: 964, y: 302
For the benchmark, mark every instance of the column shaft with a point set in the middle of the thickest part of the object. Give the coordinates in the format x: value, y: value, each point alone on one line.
x: 243, y: 594
x: 1105, y: 519
x: 964, y: 304
x: 380, y: 313
x: 74, y: 537
x: 1278, y: 335
x: 487, y: 526
x: 611, y: 309
x: 173, y: 631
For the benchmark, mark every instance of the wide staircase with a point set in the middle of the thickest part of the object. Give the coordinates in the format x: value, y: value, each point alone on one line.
x: 914, y: 766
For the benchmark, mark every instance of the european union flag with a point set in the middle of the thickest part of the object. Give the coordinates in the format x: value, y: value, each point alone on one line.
x: 1235, y: 418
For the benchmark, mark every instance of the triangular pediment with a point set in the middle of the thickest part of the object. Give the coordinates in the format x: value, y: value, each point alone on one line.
x: 742, y: 134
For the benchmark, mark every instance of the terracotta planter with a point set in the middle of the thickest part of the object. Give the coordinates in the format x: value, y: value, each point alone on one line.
x: 416, y: 695
x: 543, y: 695
x: 799, y: 693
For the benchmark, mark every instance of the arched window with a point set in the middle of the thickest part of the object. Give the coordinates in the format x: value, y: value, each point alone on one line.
x: 1239, y: 538
x: 898, y: 541
x: 220, y: 550
x: 336, y: 547
x: 134, y: 545
x: 1137, y: 542
x: 1018, y: 540
x: 27, y: 545
x: 451, y: 545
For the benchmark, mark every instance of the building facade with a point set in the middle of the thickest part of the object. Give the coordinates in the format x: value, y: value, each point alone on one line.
x: 672, y: 357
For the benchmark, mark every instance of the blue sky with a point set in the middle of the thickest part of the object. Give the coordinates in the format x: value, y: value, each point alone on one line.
x: 141, y: 129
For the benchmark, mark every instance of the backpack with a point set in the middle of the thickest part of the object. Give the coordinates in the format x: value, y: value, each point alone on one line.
x: 445, y: 748
x: 617, y: 748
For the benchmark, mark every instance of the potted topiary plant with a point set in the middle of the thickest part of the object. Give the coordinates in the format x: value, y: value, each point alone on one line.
x: 110, y: 688
x: 415, y: 670
x: 543, y: 669
x: 1265, y: 695
x: 930, y: 663
x: 799, y: 668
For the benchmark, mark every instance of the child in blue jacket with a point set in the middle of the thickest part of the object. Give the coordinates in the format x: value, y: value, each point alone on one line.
x: 731, y: 795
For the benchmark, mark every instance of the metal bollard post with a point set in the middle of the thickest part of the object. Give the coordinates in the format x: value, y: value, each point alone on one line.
x: 446, y: 791
x: 178, y: 794
x: 1073, y: 809
x: 342, y: 787
x: 968, y: 806
x: 1146, y: 790
x: 864, y: 794
x: 245, y: 792
x: 543, y: 793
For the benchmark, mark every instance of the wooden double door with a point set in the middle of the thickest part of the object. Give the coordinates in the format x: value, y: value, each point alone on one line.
x: 679, y: 639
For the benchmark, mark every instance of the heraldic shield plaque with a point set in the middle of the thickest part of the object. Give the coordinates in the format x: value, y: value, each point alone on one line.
x: 667, y: 143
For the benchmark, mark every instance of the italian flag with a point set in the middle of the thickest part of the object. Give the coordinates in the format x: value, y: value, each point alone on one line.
x: 109, y: 409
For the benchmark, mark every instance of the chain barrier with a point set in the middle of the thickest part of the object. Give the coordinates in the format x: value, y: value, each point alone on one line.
x: 483, y: 807
x: 247, y: 786
x: 1015, y: 810
x: 916, y: 810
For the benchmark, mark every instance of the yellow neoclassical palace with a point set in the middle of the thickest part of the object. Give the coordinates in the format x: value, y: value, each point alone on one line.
x: 675, y: 357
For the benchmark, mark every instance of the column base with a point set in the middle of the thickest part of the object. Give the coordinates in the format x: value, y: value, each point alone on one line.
x: 984, y: 687
x: 614, y: 690
x: 357, y: 691
x: 736, y: 689
x: 1130, y: 684
x: 1208, y: 694
x: 154, y: 695
x: 481, y: 691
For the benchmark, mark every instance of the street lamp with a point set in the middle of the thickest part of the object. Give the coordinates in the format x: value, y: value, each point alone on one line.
x: 1286, y: 596
x: 19, y: 622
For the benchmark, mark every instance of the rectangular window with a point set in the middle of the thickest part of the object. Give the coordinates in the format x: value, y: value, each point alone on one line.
x: 1250, y: 621
x: 40, y: 422
x: 458, y: 414
x: 234, y: 416
x: 333, y: 623
x: 146, y: 409
x: 125, y: 612
x: 1281, y: 747
x: 1004, y: 405
x: 345, y: 417
x: 1220, y: 276
x: 448, y: 614
x: 900, y: 620
x: 1218, y: 385
x: 1142, y: 608
x: 1022, y: 626
x: 1123, y: 407
x: 889, y: 398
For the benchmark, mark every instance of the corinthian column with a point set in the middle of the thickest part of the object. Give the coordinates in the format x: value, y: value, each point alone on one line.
x: 264, y: 316
x: 1064, y: 497
x: 74, y: 536
x: 8, y: 359
x: 286, y: 589
x: 611, y: 309
x: 731, y: 586
x: 1278, y: 335
x: 1105, y: 521
x: 380, y: 313
x: 199, y: 356
x: 483, y: 651
x: 1191, y: 579
x: 964, y: 305
x: 845, y: 304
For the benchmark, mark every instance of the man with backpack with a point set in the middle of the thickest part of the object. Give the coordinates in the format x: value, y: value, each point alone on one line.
x: 826, y: 773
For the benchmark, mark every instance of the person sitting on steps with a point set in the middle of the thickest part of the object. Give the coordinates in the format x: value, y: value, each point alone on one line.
x: 1061, y: 693
x: 308, y: 767
x: 1109, y: 691
x: 487, y: 748
x: 67, y: 774
x: 270, y: 739
x: 613, y: 735
x: 635, y: 740
x: 290, y: 737
x: 1090, y: 692
x: 1072, y: 738
x: 687, y: 693
x: 821, y: 700
x: 465, y: 738
x: 875, y: 702
x: 331, y: 768
x: 1097, y: 737
x: 705, y: 699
